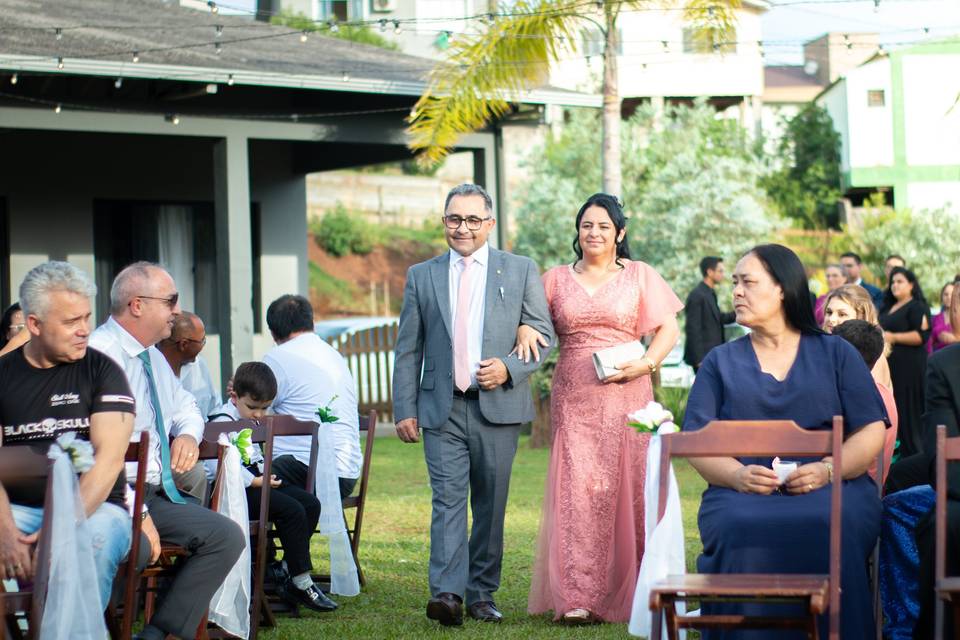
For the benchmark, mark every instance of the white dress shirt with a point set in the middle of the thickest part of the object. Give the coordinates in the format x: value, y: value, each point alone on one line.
x: 478, y: 296
x: 195, y: 378
x: 309, y: 373
x: 179, y: 408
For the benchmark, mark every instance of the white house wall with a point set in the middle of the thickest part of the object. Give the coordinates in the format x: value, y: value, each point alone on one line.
x: 871, y: 128
x: 835, y: 102
x: 931, y: 116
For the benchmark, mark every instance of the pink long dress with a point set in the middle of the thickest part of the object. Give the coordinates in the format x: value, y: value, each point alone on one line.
x: 591, y: 535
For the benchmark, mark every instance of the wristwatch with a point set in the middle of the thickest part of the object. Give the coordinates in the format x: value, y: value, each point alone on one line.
x: 829, y: 466
x: 650, y: 363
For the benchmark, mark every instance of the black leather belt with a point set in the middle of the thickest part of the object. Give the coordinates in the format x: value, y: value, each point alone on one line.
x: 472, y: 393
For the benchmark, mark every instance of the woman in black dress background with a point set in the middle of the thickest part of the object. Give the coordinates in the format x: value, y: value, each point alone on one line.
x: 905, y: 318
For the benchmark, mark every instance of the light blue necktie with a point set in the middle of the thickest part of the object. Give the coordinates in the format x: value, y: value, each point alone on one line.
x: 166, y: 476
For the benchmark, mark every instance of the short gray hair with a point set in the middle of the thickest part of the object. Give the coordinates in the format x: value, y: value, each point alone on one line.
x: 47, y: 278
x: 469, y: 189
x: 129, y: 284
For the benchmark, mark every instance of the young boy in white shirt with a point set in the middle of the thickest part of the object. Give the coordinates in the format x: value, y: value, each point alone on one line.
x: 293, y: 511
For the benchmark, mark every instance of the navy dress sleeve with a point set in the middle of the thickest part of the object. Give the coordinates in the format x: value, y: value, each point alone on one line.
x: 706, y: 396
x: 861, y: 402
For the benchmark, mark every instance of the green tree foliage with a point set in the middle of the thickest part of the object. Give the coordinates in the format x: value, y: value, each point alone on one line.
x: 341, y: 233
x: 690, y: 183
x: 806, y: 186
x: 926, y: 239
x: 289, y: 18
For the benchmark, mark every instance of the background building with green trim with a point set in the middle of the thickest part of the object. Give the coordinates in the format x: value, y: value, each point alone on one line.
x: 898, y: 116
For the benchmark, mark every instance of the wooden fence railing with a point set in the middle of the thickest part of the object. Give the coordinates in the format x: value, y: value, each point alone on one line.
x: 369, y: 355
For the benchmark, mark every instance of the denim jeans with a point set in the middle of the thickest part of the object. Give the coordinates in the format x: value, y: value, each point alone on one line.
x: 110, y: 530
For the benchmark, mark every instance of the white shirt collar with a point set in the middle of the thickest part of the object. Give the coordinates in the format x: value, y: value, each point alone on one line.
x: 128, y: 343
x: 481, y: 256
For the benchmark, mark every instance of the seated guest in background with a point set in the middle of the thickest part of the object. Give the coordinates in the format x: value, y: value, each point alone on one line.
x: 852, y: 302
x: 53, y: 385
x: 868, y: 340
x: 13, y: 333
x: 852, y: 265
x: 835, y: 279
x: 143, y: 305
x: 703, y: 327
x: 941, y: 331
x: 293, y: 511
x: 311, y: 374
x: 746, y: 525
x: 182, y: 351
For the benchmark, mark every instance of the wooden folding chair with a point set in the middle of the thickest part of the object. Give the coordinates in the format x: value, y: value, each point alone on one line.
x: 367, y: 423
x: 820, y: 593
x: 948, y: 588
x: 170, y: 554
x: 120, y: 619
x: 261, y: 434
x: 26, y: 468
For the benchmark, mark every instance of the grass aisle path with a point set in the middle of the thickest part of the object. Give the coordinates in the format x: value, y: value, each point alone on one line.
x: 395, y: 550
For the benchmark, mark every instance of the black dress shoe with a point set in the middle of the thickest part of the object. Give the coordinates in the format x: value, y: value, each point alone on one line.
x: 485, y: 612
x: 311, y: 598
x: 446, y: 608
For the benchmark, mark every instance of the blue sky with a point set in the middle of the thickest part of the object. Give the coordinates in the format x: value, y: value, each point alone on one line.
x: 787, y: 26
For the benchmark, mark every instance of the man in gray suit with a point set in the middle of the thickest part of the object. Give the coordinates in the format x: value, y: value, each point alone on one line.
x: 454, y: 379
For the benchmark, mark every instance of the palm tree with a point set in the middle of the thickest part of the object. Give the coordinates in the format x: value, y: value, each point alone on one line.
x: 484, y: 72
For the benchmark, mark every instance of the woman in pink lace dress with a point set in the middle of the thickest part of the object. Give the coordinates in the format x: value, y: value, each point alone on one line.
x: 592, y: 534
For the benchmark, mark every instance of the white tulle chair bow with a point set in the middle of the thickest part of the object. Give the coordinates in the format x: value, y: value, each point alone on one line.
x: 230, y: 605
x: 343, y: 570
x: 73, y: 608
x: 663, y: 552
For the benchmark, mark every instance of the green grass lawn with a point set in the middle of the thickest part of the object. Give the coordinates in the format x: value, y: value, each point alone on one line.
x: 395, y: 552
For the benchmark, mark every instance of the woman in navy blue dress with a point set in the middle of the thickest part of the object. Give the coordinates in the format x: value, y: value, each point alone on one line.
x: 787, y: 368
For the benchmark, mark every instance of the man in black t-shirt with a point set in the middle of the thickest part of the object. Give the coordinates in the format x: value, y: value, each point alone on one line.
x: 53, y: 385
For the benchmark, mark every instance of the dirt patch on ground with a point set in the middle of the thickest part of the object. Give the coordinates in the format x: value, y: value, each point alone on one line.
x: 386, y: 266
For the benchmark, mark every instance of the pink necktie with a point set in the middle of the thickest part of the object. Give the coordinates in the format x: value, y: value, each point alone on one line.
x: 461, y: 354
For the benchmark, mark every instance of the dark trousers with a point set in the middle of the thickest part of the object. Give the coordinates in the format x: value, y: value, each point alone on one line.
x: 294, y: 513
x: 925, y: 545
x: 294, y: 472
x: 214, y: 543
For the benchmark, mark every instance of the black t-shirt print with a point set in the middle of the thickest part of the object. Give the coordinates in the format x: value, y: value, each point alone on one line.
x: 38, y: 405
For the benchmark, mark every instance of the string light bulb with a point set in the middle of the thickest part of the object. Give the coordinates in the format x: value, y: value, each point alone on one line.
x: 59, y: 63
x: 491, y: 18
x: 926, y: 31
x: 383, y: 25
x: 213, y: 7
x: 230, y: 80
x: 599, y: 7
x: 118, y: 83
x: 397, y: 29
x: 763, y: 53
x: 217, y: 48
x: 876, y: 6
x: 14, y: 79
x: 346, y: 76
x: 666, y: 46
x: 172, y: 118
x: 219, y: 31
x: 136, y: 56
x: 58, y: 33
x: 334, y: 27
x: 303, y: 36
x: 57, y: 109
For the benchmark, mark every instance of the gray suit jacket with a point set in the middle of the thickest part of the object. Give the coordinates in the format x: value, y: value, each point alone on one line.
x: 425, y: 340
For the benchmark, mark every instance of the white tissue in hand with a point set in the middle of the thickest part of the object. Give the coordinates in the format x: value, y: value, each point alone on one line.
x: 783, y: 469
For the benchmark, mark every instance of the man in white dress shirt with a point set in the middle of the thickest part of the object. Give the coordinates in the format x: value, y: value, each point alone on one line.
x: 143, y: 305
x: 311, y: 374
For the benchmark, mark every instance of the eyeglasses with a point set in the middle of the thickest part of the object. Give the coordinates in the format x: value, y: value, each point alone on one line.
x: 17, y: 328
x: 171, y: 301
x: 200, y: 342
x: 473, y: 222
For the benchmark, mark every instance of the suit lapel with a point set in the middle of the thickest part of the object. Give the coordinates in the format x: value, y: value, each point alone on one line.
x: 440, y: 275
x: 711, y: 299
x: 494, y: 287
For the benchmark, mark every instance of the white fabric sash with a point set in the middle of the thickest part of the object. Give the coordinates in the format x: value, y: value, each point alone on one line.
x: 663, y: 552
x: 73, y: 608
x: 230, y: 606
x: 343, y: 570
